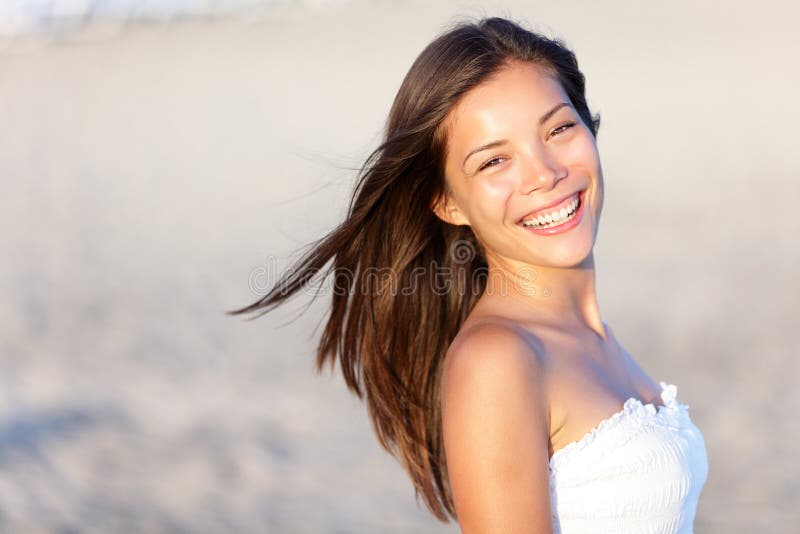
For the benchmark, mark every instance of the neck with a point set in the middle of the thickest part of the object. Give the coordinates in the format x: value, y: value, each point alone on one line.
x: 564, y: 296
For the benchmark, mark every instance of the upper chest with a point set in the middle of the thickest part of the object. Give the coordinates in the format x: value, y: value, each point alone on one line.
x: 587, y: 384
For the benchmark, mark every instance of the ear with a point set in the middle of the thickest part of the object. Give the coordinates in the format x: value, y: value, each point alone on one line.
x: 445, y: 207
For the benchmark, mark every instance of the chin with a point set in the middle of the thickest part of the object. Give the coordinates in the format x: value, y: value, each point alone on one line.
x: 572, y: 253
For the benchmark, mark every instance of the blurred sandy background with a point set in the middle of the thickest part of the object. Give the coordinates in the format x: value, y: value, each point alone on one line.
x: 155, y: 173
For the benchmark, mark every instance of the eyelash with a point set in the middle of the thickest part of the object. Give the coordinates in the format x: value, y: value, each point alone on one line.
x: 565, y: 127
x: 486, y: 164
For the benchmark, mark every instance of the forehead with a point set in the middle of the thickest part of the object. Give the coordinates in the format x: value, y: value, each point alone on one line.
x: 516, y: 93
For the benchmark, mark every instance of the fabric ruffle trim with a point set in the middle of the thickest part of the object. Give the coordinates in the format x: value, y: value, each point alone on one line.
x: 634, y: 415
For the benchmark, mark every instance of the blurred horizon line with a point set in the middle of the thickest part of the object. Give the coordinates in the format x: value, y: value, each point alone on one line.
x: 54, y: 19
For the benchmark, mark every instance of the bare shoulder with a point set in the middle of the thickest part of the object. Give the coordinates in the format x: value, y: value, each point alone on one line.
x: 506, y: 344
x: 495, y: 426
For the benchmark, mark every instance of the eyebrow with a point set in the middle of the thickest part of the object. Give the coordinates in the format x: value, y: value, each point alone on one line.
x: 544, y: 118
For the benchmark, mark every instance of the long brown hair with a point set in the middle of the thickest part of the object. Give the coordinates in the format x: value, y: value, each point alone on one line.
x: 403, y: 281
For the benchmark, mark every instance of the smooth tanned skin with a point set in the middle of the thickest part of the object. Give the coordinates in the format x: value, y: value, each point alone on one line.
x: 495, y: 433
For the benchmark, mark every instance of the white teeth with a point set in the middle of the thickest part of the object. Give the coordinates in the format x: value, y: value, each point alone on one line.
x: 553, y: 219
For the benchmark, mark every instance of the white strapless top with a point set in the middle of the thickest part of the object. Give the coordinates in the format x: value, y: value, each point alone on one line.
x: 640, y: 471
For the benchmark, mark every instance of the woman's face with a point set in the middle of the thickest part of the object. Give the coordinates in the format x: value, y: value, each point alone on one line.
x: 523, y: 170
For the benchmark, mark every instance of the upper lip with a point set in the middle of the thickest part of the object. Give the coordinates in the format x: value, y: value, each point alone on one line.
x: 555, y: 202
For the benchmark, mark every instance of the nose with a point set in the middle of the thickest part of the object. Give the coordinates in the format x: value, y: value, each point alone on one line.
x: 543, y: 170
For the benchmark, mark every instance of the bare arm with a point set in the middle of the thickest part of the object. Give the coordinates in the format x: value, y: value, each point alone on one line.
x: 495, y: 424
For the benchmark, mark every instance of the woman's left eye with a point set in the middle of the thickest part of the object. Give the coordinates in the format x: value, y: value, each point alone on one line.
x: 562, y: 128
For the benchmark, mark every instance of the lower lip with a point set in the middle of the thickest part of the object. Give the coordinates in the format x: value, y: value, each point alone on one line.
x: 561, y: 228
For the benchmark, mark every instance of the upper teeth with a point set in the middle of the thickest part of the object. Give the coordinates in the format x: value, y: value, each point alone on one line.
x: 553, y: 218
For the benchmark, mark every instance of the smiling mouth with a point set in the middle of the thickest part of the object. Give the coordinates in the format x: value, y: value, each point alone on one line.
x: 555, y: 216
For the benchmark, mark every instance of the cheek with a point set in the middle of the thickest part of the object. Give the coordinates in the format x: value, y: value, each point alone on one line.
x: 583, y: 152
x: 495, y: 188
x: 492, y: 193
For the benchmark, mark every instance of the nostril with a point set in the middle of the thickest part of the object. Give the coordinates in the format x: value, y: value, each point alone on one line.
x: 542, y: 181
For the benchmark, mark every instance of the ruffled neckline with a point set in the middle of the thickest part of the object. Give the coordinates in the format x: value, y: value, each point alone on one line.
x: 632, y: 408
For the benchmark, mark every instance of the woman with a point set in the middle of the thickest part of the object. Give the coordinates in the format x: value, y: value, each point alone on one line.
x: 464, y: 308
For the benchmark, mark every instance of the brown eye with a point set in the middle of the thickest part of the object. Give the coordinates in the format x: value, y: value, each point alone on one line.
x: 491, y: 163
x: 562, y: 128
